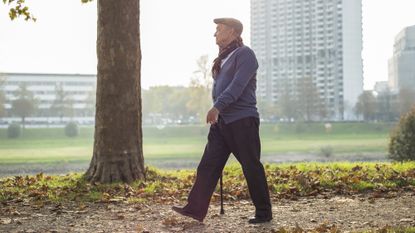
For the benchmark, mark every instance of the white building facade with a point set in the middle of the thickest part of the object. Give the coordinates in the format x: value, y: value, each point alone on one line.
x: 78, y: 88
x: 402, y: 64
x: 317, y: 39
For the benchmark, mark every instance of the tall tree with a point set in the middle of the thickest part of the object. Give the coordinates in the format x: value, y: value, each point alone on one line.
x: 406, y: 100
x: 310, y: 105
x: 118, y: 153
x: 287, y: 103
x: 366, y: 105
x: 200, y: 88
x: 387, y: 106
x: 267, y: 109
x: 25, y: 104
x: 150, y: 105
x: 204, y: 75
x: 70, y: 107
x: 61, y: 105
x: 178, y: 99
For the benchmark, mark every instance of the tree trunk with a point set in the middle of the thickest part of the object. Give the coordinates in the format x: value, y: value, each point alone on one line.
x: 118, y: 154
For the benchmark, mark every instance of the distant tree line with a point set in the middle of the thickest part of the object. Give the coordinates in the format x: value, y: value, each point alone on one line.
x: 298, y: 101
x: 190, y: 104
x: 160, y: 104
x: 169, y: 104
x: 385, y: 105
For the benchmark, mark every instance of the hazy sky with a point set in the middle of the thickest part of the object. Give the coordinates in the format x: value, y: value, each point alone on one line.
x: 174, y: 34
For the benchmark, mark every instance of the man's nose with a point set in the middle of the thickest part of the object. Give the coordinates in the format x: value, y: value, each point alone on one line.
x: 215, y: 34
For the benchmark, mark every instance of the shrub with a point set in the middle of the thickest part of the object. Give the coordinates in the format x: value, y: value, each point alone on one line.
x: 14, y: 131
x: 326, y: 151
x: 71, y: 129
x: 402, y: 141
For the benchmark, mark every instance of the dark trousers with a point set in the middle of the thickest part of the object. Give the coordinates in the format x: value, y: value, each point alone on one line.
x: 242, y: 139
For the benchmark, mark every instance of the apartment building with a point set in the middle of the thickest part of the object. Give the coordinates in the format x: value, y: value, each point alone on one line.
x: 78, y: 90
x: 402, y: 63
x: 317, y: 39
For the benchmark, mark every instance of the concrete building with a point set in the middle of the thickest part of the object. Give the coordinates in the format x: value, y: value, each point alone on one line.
x: 381, y: 86
x: 402, y: 64
x: 317, y: 39
x: 78, y: 90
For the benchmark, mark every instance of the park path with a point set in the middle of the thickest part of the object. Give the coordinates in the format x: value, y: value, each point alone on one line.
x: 321, y: 214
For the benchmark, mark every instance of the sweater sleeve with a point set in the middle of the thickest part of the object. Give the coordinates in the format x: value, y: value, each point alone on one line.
x: 246, y: 67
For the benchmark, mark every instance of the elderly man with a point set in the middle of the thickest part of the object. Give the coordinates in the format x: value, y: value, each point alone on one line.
x: 234, y: 126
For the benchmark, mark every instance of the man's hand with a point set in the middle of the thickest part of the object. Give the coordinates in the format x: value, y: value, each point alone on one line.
x: 212, y: 116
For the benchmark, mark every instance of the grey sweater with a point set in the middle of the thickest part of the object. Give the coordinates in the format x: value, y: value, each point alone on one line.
x: 234, y: 88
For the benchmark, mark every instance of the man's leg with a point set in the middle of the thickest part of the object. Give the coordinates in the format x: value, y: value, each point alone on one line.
x: 246, y: 147
x: 208, y: 172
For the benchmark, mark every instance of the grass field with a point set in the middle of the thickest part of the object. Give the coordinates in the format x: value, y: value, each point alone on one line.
x: 300, y: 179
x: 187, y: 142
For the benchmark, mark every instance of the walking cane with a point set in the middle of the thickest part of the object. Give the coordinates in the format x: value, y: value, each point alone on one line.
x: 222, y: 211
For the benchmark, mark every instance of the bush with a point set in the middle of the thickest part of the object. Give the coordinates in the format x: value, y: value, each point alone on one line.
x: 14, y: 131
x: 326, y: 151
x: 402, y: 141
x: 71, y: 129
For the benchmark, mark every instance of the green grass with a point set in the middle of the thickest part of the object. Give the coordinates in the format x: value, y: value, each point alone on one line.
x: 50, y: 145
x: 285, y: 180
x: 391, y: 229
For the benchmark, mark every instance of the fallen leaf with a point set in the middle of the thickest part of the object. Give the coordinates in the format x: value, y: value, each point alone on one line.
x: 5, y: 221
x: 170, y: 221
x: 120, y: 217
x: 406, y: 220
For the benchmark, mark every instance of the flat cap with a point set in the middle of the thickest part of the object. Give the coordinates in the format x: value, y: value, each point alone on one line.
x: 230, y: 22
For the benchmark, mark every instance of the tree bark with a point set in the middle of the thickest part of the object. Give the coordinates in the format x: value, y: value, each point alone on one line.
x: 118, y: 153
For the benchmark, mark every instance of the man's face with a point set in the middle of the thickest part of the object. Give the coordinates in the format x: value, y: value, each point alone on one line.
x: 224, y: 35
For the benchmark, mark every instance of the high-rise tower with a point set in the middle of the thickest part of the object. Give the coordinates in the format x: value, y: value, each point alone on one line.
x: 316, y: 39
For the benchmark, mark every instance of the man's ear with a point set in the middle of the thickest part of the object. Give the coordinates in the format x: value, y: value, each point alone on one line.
x: 234, y: 33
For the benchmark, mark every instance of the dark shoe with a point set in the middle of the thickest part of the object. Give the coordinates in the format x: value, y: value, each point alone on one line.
x: 185, y: 213
x: 257, y: 220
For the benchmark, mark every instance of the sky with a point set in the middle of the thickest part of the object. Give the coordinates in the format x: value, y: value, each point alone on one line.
x: 174, y: 34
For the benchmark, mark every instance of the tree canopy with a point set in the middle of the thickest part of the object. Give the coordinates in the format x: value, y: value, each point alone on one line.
x: 18, y: 8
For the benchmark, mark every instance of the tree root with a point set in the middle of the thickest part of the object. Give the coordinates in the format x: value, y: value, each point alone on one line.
x: 124, y: 169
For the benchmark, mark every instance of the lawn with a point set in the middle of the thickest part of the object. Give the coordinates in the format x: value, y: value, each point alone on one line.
x: 187, y: 142
x: 301, y: 179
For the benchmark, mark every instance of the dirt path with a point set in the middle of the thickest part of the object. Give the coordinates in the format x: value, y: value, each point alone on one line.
x: 345, y: 213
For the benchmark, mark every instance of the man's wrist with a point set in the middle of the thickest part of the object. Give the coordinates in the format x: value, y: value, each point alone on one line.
x: 218, y: 107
